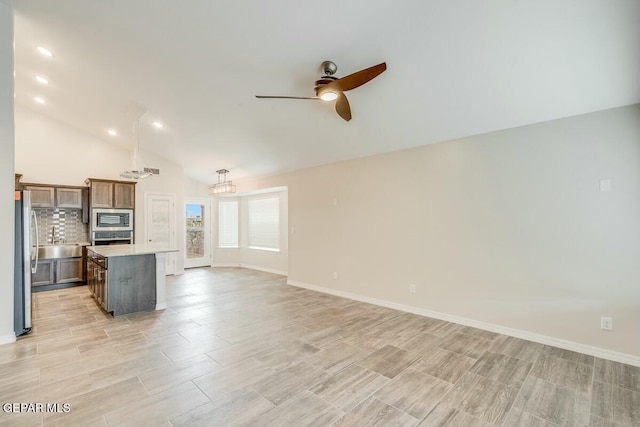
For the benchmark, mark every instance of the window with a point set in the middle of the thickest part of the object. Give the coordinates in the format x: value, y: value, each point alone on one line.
x: 228, y: 224
x: 264, y: 224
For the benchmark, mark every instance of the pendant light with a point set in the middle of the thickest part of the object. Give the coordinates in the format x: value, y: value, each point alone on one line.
x: 223, y: 186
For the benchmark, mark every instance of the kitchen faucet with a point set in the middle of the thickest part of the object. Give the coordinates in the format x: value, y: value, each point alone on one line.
x: 53, y: 235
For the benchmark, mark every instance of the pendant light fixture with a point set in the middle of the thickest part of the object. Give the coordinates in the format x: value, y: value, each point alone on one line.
x: 223, y: 186
x: 136, y: 172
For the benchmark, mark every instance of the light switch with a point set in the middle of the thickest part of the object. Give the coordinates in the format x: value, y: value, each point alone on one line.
x: 605, y: 185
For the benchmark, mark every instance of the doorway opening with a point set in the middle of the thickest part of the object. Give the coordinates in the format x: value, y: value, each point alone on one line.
x: 197, y: 251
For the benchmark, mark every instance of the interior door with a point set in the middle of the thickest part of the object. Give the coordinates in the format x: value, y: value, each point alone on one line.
x: 160, y: 225
x: 197, y: 251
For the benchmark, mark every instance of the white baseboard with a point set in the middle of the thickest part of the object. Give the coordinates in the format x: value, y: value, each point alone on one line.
x: 265, y: 269
x: 161, y: 306
x: 7, y: 339
x: 253, y: 267
x: 223, y: 265
x: 517, y: 333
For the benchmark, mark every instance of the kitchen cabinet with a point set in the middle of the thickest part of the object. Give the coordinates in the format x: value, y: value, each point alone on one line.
x: 69, y: 198
x: 99, y: 287
x: 123, y: 195
x: 111, y: 194
x: 45, y: 275
x: 101, y: 194
x: 69, y: 270
x: 54, y: 271
x: 123, y: 284
x: 42, y: 197
x: 50, y: 196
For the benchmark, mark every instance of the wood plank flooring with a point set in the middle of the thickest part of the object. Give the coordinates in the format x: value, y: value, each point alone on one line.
x: 237, y: 347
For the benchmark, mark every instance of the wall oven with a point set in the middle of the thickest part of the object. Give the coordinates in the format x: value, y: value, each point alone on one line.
x: 111, y: 226
x: 112, y: 219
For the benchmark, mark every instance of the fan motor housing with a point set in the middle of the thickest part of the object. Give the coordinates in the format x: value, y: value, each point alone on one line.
x: 329, y: 68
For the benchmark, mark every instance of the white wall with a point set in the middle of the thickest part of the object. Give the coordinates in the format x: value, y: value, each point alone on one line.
x: 274, y: 262
x: 170, y: 181
x: 48, y: 151
x: 6, y: 171
x: 506, y: 230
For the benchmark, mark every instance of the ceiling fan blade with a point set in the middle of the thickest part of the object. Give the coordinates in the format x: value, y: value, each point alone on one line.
x: 342, y: 107
x: 285, y: 97
x: 356, y: 79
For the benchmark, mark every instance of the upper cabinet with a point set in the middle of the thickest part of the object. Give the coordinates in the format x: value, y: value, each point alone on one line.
x: 101, y: 194
x: 42, y: 197
x: 69, y: 198
x: 45, y: 196
x: 124, y: 195
x: 111, y: 194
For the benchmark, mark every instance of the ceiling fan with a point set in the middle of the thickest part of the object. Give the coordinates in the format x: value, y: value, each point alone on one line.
x: 330, y: 88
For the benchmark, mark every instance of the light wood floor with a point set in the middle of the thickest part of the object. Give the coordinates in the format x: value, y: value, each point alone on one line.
x: 240, y: 347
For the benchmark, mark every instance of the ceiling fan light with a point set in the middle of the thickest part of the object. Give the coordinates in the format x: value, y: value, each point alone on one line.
x: 329, y: 96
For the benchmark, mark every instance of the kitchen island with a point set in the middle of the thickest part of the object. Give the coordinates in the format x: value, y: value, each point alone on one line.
x: 127, y: 279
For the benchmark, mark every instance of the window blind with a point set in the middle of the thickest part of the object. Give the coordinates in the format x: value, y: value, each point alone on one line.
x: 228, y: 224
x: 264, y: 223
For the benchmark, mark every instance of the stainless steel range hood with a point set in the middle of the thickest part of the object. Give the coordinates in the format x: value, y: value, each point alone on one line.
x: 136, y: 172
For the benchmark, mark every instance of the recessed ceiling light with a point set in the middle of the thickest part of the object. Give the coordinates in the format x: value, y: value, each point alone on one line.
x: 42, y: 80
x: 38, y: 100
x: 158, y: 125
x: 112, y: 132
x: 45, y: 51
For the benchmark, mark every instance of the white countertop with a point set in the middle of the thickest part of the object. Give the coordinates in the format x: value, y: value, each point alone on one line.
x: 127, y: 250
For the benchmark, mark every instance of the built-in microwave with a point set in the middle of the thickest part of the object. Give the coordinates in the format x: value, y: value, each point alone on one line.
x: 111, y: 219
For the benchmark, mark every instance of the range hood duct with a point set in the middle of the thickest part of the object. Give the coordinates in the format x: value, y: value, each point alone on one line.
x: 136, y: 172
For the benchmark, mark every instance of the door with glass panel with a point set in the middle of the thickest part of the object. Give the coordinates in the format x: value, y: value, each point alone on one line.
x: 197, y: 233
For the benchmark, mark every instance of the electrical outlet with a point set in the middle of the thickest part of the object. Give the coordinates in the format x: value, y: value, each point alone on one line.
x: 335, y: 275
x: 412, y: 288
x: 606, y: 323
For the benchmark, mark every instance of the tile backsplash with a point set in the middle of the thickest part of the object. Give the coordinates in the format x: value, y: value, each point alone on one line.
x: 67, y: 222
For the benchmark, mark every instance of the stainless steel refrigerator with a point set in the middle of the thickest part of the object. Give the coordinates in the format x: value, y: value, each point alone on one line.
x: 26, y: 248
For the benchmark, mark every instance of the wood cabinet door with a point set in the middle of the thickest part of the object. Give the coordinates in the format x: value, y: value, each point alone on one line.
x: 44, y: 275
x: 69, y: 198
x: 42, y: 197
x: 101, y: 194
x: 90, y: 280
x: 69, y: 270
x: 124, y: 196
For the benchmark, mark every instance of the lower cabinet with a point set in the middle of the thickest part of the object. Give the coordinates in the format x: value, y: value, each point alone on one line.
x: 127, y: 286
x: 52, y: 271
x: 69, y: 270
x: 45, y: 274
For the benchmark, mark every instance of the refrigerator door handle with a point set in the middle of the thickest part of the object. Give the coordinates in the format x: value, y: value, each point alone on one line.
x: 34, y: 269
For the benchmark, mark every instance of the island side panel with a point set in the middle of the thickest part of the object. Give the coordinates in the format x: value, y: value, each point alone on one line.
x: 161, y: 282
x: 132, y: 284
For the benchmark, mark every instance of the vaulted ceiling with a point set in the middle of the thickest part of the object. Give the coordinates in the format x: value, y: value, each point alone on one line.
x: 455, y: 68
